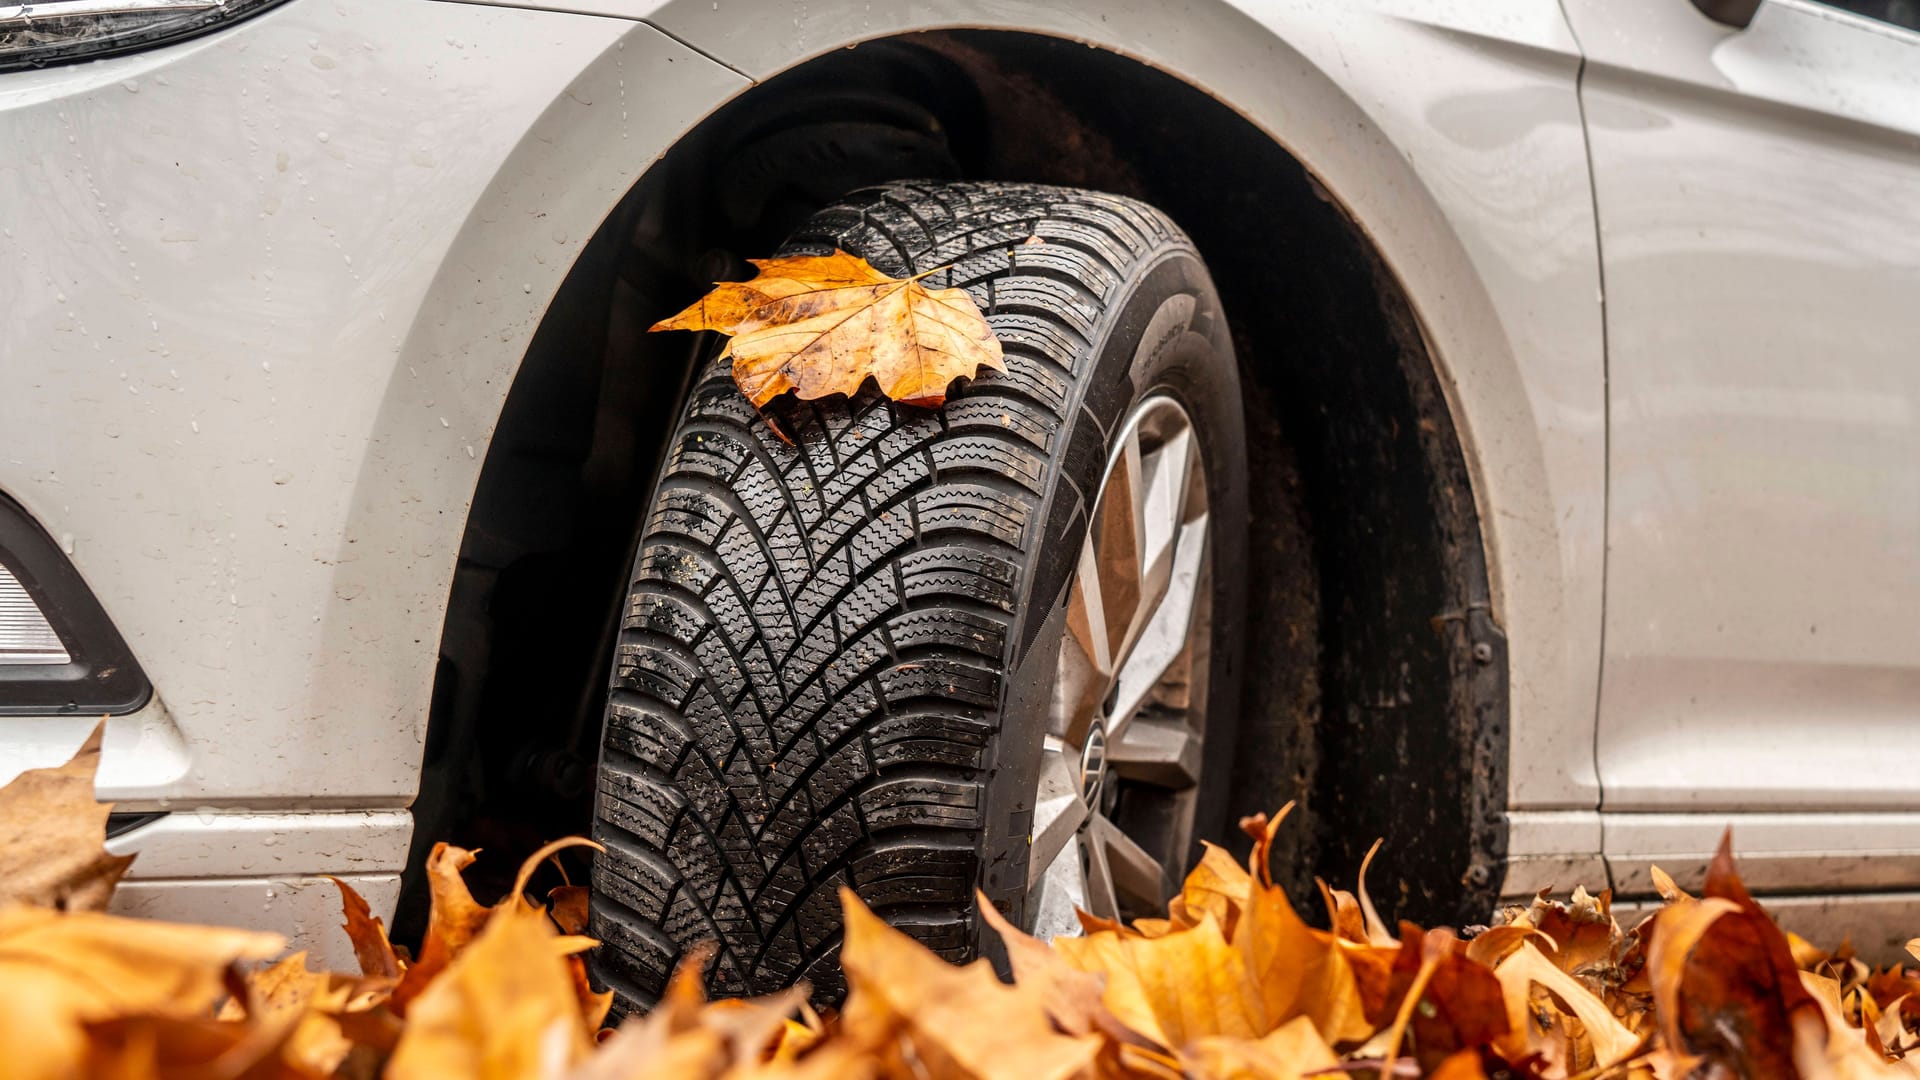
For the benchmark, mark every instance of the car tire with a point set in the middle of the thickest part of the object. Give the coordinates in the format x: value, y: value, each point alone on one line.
x: 862, y: 659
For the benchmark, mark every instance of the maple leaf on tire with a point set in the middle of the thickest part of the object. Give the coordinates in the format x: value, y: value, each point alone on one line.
x: 822, y: 324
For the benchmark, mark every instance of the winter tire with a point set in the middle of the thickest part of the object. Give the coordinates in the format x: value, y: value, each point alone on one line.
x: 919, y: 652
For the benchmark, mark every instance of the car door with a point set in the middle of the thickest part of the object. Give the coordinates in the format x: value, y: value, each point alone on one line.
x: 1758, y: 196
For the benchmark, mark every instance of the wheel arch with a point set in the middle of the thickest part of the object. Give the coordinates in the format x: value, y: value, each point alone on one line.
x: 1317, y: 147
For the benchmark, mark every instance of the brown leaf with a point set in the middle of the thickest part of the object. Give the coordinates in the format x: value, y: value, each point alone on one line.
x: 567, y: 904
x: 1582, y: 929
x: 369, y: 937
x: 51, y: 836
x: 1343, y: 913
x: 1663, y: 885
x: 454, y: 919
x: 1465, y: 1065
x: 959, y: 1021
x: 60, y: 971
x: 1449, y: 1002
x: 1734, y: 995
x: 503, y: 1008
x: 820, y: 325
x: 1826, y: 1047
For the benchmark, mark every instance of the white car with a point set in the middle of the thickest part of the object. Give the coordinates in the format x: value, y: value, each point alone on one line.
x: 1493, y: 424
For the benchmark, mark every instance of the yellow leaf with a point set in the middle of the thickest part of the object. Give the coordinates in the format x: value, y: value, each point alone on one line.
x: 1288, y: 1052
x: 1218, y: 886
x: 454, y: 919
x: 1377, y: 933
x: 1183, y: 986
x: 307, y: 1004
x: 961, y: 1021
x: 144, y: 1047
x: 1073, y: 998
x: 59, y: 971
x: 820, y: 325
x: 503, y: 1009
x: 51, y: 837
x: 1526, y: 967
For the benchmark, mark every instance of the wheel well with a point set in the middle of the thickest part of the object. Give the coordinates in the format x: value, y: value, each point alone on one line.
x: 1376, y: 682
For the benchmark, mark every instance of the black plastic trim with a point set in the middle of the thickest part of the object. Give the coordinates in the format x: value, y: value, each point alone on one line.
x: 122, y: 822
x: 102, y: 676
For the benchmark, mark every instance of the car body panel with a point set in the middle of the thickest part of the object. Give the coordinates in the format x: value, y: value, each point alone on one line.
x: 295, y: 342
x: 1759, y: 195
x: 275, y: 287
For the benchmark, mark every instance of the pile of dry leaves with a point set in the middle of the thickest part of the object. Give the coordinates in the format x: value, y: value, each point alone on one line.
x: 1232, y: 983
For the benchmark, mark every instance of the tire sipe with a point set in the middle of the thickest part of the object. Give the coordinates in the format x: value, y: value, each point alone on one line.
x: 919, y: 652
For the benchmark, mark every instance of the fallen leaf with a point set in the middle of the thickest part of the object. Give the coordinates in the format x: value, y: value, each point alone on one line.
x: 454, y: 920
x: 1072, y: 998
x: 1288, y: 1052
x: 1462, y: 1005
x: 1293, y: 969
x: 150, y: 1046
x: 308, y: 1003
x: 1527, y: 967
x: 51, y: 836
x: 820, y: 325
x: 1734, y: 995
x: 1218, y: 886
x: 1174, y: 989
x: 60, y: 971
x: 504, y: 1008
x: 367, y: 934
x: 567, y: 904
x: 1664, y: 886
x: 1376, y: 928
x: 960, y: 1021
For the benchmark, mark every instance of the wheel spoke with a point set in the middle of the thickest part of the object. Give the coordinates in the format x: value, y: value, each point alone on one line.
x: 1162, y: 498
x: 1102, y: 898
x: 1157, y: 750
x: 1116, y: 536
x: 1059, y: 891
x: 1058, y: 811
x: 1165, y: 638
x: 1132, y: 874
x: 1086, y: 664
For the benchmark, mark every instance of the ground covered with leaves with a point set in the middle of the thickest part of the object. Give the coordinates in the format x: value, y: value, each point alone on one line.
x: 1231, y: 983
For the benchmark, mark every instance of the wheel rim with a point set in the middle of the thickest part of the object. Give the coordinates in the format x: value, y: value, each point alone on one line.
x: 1121, y: 759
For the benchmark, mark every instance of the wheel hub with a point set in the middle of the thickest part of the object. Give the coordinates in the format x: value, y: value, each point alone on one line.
x: 1093, y: 766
